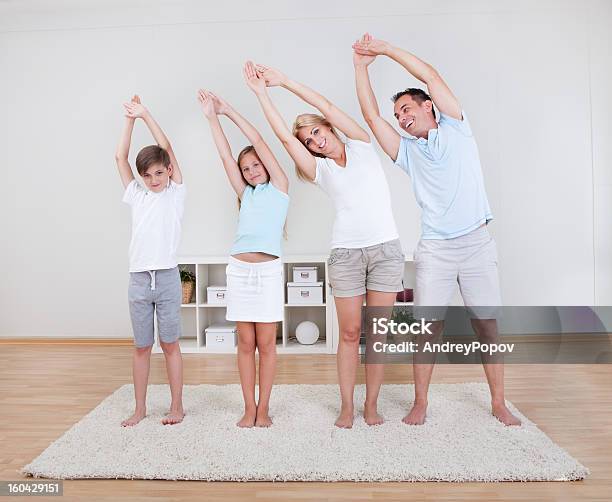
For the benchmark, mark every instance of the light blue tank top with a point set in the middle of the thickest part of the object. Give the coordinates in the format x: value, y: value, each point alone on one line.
x: 263, y: 211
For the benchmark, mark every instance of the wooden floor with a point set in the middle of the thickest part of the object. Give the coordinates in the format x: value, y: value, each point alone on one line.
x: 44, y: 389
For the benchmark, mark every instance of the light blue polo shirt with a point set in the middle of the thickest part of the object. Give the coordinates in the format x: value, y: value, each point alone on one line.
x: 263, y: 211
x: 446, y: 178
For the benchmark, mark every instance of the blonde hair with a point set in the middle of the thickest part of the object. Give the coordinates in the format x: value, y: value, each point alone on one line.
x: 309, y: 120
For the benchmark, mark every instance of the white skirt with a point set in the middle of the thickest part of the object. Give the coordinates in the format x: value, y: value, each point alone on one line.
x: 255, y: 291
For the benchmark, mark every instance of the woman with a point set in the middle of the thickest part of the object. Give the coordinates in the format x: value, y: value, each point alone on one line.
x: 366, y: 260
x: 255, y: 294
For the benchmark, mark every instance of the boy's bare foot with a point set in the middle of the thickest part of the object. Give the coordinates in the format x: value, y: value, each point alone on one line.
x: 134, y: 419
x: 248, y: 419
x: 370, y: 414
x: 503, y: 414
x: 345, y: 419
x: 173, y: 417
x: 416, y: 416
x: 263, y: 419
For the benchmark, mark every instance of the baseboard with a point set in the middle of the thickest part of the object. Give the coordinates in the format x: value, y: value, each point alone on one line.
x: 46, y: 340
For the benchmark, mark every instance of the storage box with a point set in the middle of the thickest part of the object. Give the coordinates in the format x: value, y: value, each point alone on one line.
x: 216, y: 294
x: 305, y: 274
x: 221, y: 336
x: 301, y: 293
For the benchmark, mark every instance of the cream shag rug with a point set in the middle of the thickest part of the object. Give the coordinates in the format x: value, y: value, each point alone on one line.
x: 461, y: 440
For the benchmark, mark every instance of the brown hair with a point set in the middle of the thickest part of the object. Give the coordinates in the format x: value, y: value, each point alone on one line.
x: 419, y: 95
x: 309, y: 120
x: 151, y: 155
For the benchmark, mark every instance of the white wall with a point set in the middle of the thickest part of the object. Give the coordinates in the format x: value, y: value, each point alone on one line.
x: 533, y: 80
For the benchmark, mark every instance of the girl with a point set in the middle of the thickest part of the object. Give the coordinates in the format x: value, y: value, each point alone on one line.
x: 255, y: 293
x: 366, y: 259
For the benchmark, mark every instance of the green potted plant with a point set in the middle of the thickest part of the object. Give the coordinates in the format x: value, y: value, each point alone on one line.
x: 188, y: 284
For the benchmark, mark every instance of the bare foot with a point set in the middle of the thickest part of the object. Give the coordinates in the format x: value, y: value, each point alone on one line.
x: 263, y: 419
x: 371, y: 416
x: 502, y: 413
x: 345, y: 419
x: 416, y: 416
x: 134, y: 419
x: 173, y: 417
x: 248, y: 419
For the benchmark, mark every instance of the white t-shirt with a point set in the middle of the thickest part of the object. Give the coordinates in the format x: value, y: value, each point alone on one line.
x: 156, y: 225
x: 360, y: 194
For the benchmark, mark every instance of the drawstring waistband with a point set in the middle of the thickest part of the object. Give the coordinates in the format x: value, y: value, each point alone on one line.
x: 152, y: 274
x: 256, y: 270
x: 255, y: 274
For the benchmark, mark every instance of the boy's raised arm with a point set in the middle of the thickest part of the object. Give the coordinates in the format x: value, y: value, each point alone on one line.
x: 135, y: 109
x: 123, y: 150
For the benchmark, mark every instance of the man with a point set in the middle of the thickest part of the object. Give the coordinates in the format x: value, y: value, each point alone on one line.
x: 443, y: 163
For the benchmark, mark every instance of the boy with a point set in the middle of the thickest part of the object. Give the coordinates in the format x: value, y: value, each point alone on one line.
x: 155, y: 287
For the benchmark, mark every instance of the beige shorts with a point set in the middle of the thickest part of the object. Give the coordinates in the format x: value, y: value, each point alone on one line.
x: 468, y: 262
x: 376, y: 268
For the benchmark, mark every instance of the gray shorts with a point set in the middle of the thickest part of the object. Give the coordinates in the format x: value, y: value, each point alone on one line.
x: 468, y: 262
x: 376, y: 268
x: 155, y: 292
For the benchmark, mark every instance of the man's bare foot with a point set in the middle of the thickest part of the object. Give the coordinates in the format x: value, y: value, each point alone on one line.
x: 134, y: 419
x: 416, y: 416
x: 248, y: 419
x: 173, y: 417
x: 370, y: 415
x: 502, y: 413
x: 263, y: 419
x: 345, y: 419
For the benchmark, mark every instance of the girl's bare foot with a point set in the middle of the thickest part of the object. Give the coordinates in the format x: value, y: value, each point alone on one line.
x: 248, y: 419
x: 503, y: 414
x: 263, y: 419
x: 416, y: 416
x: 173, y: 417
x: 345, y: 419
x: 370, y: 415
x: 134, y: 419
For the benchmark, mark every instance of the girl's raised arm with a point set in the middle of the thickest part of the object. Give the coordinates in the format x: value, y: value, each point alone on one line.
x: 277, y: 175
x: 207, y: 101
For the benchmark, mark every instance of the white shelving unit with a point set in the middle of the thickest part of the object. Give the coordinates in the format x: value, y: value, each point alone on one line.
x: 210, y: 271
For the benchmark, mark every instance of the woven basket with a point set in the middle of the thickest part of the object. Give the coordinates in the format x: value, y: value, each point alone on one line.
x: 187, y: 291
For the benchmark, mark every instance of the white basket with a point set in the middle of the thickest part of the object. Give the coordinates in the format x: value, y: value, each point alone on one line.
x: 305, y: 274
x: 216, y: 295
x: 220, y: 336
x: 305, y: 293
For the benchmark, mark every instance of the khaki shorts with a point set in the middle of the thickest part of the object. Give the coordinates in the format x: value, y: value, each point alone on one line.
x: 376, y: 268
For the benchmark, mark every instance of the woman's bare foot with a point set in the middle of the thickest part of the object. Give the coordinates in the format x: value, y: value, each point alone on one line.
x: 173, y: 417
x: 248, y: 419
x: 263, y: 419
x: 134, y: 419
x: 416, y: 416
x: 370, y: 414
x: 502, y: 413
x: 345, y: 419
